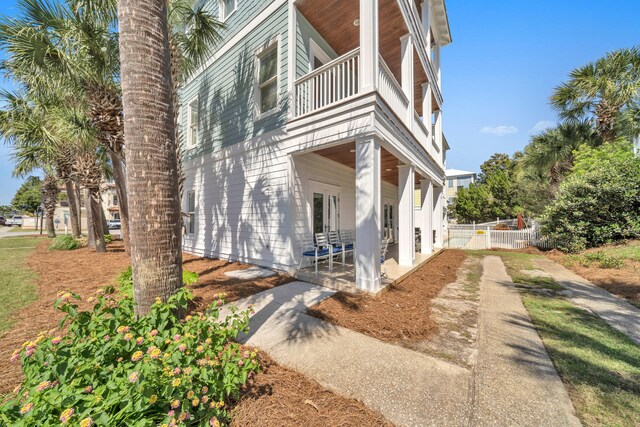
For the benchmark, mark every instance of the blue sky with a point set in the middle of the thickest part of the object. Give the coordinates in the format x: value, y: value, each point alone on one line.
x: 505, y: 60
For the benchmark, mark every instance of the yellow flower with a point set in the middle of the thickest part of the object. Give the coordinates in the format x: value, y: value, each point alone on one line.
x: 195, y: 402
x: 137, y: 356
x: 66, y: 415
x: 128, y: 336
x: 190, y: 394
x: 153, y: 399
x: 176, y: 382
x: 175, y: 404
x: 26, y: 408
x: 86, y: 422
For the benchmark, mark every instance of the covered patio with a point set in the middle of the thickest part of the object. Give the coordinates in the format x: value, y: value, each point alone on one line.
x: 367, y: 189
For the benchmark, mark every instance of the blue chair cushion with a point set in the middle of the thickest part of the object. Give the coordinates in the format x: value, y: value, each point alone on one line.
x: 348, y: 247
x: 337, y: 249
x: 321, y: 252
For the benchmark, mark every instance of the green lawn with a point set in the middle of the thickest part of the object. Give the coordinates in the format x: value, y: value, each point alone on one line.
x: 17, y: 282
x: 600, y: 365
x: 627, y: 251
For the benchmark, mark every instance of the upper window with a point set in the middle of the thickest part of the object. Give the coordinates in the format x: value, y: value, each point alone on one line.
x: 192, y: 125
x: 115, y: 200
x: 267, y: 85
x: 227, y: 7
x: 450, y: 183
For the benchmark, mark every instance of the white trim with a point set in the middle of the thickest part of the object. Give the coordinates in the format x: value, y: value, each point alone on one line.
x: 222, y: 11
x: 315, y: 51
x: 273, y: 43
x: 192, y: 221
x: 292, y: 54
x: 190, y: 143
x: 235, y: 40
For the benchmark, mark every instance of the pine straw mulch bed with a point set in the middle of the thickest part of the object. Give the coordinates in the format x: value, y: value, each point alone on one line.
x: 84, y: 271
x: 278, y: 396
x: 401, y: 312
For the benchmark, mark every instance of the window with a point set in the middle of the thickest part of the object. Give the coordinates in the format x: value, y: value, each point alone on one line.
x: 451, y: 200
x: 191, y: 209
x: 267, y: 79
x: 226, y: 8
x: 450, y: 184
x: 192, y: 125
x: 115, y: 200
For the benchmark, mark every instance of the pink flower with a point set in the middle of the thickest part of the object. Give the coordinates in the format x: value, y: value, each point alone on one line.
x: 122, y: 329
x: 171, y: 413
x: 128, y: 336
x: 88, y: 389
x: 139, y: 340
x: 199, y: 349
x: 43, y: 385
x: 205, y: 390
x: 177, y: 371
x: 175, y: 403
x: 66, y: 415
x: 153, y: 333
x: 182, y: 347
x: 177, y: 337
x: 137, y: 356
x: 107, y: 337
x: 213, y: 422
x: 241, y: 363
x: 30, y: 351
x: 154, y: 352
x: 26, y: 408
x: 15, y: 357
x: 219, y: 302
x: 56, y: 340
x: 133, y: 377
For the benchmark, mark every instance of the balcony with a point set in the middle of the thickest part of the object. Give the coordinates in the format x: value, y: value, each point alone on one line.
x: 350, y: 39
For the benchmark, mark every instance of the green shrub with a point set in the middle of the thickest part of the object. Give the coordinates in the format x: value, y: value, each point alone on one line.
x: 599, y: 201
x: 111, y: 368
x: 65, y: 242
x: 601, y: 259
x: 108, y: 238
x: 125, y: 280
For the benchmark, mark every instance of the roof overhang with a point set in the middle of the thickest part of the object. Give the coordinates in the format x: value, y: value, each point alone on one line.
x: 441, y: 21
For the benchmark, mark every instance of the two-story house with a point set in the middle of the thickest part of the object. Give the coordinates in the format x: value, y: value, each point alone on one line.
x: 313, y: 116
x: 457, y: 179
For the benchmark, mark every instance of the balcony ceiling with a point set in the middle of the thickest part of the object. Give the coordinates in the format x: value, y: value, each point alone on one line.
x: 343, y: 155
x: 333, y: 19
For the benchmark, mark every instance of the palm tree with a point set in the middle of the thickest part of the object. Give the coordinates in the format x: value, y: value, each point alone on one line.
x: 550, y: 153
x: 150, y: 149
x: 601, y: 91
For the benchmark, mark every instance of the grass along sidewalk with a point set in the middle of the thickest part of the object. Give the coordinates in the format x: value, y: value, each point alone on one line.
x: 599, y: 365
x: 17, y: 281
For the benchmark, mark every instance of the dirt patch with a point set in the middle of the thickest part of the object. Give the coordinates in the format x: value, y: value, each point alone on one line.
x: 81, y: 271
x: 280, y: 397
x: 212, y: 280
x: 400, y: 313
x: 623, y: 282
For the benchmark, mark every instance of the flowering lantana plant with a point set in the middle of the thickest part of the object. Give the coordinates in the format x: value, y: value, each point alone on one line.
x: 111, y: 368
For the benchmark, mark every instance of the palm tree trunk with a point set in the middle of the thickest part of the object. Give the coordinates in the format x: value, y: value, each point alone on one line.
x: 119, y: 176
x: 73, y: 208
x: 51, y: 227
x: 98, y: 221
x: 91, y: 235
x: 50, y: 192
x: 105, y: 223
x: 76, y: 186
x: 150, y: 150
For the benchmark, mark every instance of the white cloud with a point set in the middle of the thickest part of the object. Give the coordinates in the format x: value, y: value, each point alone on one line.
x: 501, y: 130
x: 540, y: 126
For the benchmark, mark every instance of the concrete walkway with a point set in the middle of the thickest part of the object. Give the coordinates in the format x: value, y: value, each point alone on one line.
x: 614, y: 310
x: 515, y: 383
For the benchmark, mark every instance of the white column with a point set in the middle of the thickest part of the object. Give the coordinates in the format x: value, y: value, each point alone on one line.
x: 406, y: 228
x: 369, y: 44
x: 426, y: 22
x: 406, y: 67
x: 292, y: 33
x: 426, y: 228
x: 438, y: 129
x: 437, y: 215
x: 368, y: 218
x: 427, y: 107
x: 436, y: 63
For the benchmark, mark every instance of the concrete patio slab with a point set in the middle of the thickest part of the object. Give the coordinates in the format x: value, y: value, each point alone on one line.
x: 254, y: 272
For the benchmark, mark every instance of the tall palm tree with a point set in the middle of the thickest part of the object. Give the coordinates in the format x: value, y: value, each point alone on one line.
x: 600, y: 91
x: 150, y: 149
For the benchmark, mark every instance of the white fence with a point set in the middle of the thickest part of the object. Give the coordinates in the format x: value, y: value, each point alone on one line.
x: 465, y: 236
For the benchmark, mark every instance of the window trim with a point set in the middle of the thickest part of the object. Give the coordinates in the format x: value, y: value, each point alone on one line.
x: 315, y: 51
x: 222, y: 11
x: 191, y: 227
x: 190, y: 143
x: 273, y: 43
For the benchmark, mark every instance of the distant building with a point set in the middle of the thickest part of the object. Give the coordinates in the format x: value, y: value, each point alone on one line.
x: 457, y: 179
x: 110, y: 202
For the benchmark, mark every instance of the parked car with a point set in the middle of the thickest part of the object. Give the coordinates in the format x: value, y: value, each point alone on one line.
x: 15, y: 220
x: 3, y: 220
x: 114, y: 224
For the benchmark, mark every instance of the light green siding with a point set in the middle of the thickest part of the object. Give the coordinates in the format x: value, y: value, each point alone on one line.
x: 305, y: 33
x: 225, y: 90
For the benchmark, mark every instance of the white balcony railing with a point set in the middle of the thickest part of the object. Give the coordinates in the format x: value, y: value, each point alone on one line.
x: 335, y: 81
x: 392, y: 92
x: 421, y: 133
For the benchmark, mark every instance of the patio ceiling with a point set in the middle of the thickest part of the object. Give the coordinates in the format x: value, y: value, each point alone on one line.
x: 345, y: 155
x: 334, y: 20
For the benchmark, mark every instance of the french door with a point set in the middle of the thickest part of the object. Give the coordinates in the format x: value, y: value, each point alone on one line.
x: 325, y: 208
x: 388, y: 220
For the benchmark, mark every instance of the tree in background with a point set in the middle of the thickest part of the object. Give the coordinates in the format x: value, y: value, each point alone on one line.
x: 599, y: 201
x: 28, y: 197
